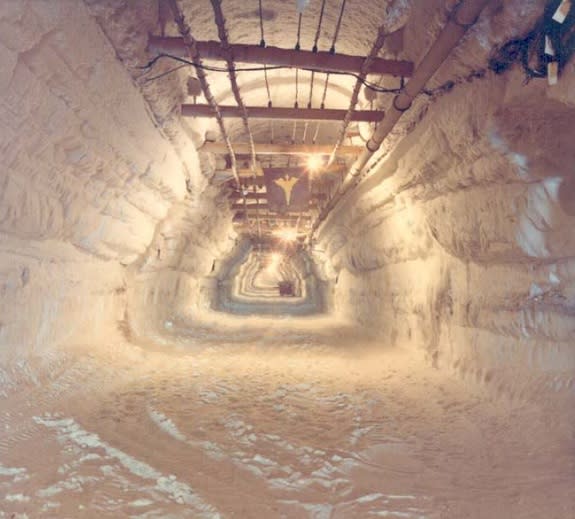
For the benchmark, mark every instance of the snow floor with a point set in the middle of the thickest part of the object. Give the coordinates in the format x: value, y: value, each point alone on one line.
x: 317, y: 425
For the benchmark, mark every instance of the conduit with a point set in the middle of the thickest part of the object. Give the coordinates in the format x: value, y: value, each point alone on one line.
x: 461, y: 19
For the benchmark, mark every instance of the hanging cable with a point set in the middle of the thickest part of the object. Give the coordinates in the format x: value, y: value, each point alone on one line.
x: 304, y: 132
x: 191, y: 46
x: 296, y: 104
x: 263, y: 44
x: 262, y: 40
x: 316, y: 132
x: 310, y: 89
x: 324, y: 95
x: 332, y: 51
x: 223, y: 35
x: 318, y: 31
x: 297, y: 45
x: 337, y: 27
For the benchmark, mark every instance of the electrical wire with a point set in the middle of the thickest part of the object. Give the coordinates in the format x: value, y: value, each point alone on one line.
x: 530, y: 51
x: 210, y: 68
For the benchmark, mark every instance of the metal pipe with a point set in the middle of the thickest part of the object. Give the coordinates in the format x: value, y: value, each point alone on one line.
x: 461, y: 19
x: 275, y: 56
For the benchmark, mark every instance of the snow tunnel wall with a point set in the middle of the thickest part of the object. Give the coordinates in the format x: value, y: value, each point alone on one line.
x: 89, y: 186
x: 462, y: 242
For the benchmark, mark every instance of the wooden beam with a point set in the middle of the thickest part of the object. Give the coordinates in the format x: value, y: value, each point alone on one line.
x: 251, y: 208
x: 213, y: 50
x: 241, y: 216
x: 250, y: 196
x: 247, y: 173
x: 281, y: 149
x: 247, y: 207
x: 264, y: 112
x: 263, y: 196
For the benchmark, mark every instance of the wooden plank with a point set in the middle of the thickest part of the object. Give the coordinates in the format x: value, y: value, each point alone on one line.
x: 281, y: 149
x: 264, y: 112
x: 213, y: 50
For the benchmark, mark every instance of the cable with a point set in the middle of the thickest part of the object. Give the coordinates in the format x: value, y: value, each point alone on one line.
x: 296, y: 104
x: 263, y: 44
x: 297, y: 45
x: 209, y: 68
x: 316, y: 132
x: 317, y: 32
x: 530, y: 51
x: 262, y: 40
x: 448, y: 85
x: 311, y: 89
x: 337, y: 27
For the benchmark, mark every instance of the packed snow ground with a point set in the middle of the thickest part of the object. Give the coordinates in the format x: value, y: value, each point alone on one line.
x: 320, y: 426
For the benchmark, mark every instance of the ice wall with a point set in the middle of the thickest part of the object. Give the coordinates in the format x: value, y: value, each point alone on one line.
x: 462, y: 242
x: 88, y: 177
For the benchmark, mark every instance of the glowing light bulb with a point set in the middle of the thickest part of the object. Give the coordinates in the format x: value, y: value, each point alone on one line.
x: 314, y: 162
x: 286, y: 234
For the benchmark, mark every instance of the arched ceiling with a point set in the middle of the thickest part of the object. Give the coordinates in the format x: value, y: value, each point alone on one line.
x: 410, y: 25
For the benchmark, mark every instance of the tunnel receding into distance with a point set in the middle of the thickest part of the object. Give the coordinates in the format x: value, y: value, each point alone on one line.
x: 287, y: 259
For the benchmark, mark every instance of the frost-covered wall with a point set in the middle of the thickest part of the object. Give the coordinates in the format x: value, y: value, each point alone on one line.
x: 463, y: 241
x: 86, y: 178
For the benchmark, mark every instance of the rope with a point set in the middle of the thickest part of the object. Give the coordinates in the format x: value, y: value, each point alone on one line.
x: 191, y: 46
x: 377, y: 45
x: 223, y: 35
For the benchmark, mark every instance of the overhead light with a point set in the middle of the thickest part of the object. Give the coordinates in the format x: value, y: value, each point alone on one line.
x: 314, y: 162
x: 287, y: 234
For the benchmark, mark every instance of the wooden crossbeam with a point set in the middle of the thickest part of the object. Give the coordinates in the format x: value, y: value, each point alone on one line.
x: 250, y: 196
x: 263, y: 196
x: 251, y: 208
x: 241, y: 216
x: 281, y: 149
x: 264, y: 112
x: 213, y: 50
